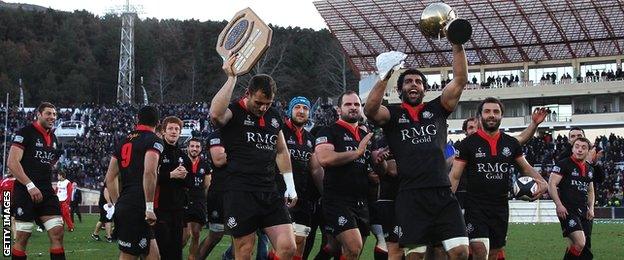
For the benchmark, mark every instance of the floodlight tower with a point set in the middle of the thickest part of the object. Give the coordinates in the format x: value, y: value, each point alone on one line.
x: 125, y: 79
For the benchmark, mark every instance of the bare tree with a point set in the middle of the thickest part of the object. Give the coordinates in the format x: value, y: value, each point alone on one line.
x: 193, y: 75
x: 335, y: 71
x: 161, y: 78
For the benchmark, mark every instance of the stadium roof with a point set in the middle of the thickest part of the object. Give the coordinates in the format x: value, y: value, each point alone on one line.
x: 503, y: 31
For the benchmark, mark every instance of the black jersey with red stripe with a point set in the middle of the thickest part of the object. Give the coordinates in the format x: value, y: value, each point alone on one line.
x: 300, y: 145
x: 131, y: 161
x: 350, y: 180
x: 574, y: 185
x: 171, y: 193
x: 417, y: 138
x: 251, y: 143
x: 489, y: 163
x: 199, y: 170
x: 40, y: 154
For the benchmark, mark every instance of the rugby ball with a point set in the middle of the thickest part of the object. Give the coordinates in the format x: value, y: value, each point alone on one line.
x: 524, y: 188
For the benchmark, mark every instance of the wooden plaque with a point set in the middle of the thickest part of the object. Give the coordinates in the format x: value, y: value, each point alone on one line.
x: 247, y: 35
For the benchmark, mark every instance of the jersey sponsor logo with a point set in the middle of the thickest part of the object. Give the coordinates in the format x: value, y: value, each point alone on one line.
x: 274, y: 123
x: 361, y: 159
x: 291, y: 140
x: 420, y: 134
x: 403, y: 119
x: 231, y: 222
x: 494, y: 171
x: 39, y: 143
x: 248, y: 121
x: 159, y: 147
x: 262, y: 141
x: 299, y: 155
x: 342, y: 221
x: 580, y: 185
x: 165, y: 159
x: 575, y: 172
x: 124, y: 243
x: 480, y: 153
x: 44, y: 156
x: 556, y: 169
x: 321, y: 140
x: 143, y: 243
x: 18, y: 139
x: 347, y: 137
x: 215, y: 141
x: 427, y: 115
x: 506, y: 151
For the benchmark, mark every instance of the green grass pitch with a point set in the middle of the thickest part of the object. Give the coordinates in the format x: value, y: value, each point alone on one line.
x: 525, y: 241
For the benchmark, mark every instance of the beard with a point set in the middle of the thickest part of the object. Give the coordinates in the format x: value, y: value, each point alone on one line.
x: 298, y: 123
x: 488, y: 127
x: 411, y: 101
x: 349, y: 118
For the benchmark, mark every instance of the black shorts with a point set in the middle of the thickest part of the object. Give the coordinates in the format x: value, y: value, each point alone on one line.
x: 428, y: 216
x: 487, y: 222
x: 247, y: 211
x: 342, y: 215
x: 576, y: 222
x: 301, y: 213
x: 386, y: 214
x: 195, y: 212
x: 461, y: 198
x: 132, y: 231
x: 168, y: 232
x: 214, y: 207
x: 25, y: 210
x: 103, y: 218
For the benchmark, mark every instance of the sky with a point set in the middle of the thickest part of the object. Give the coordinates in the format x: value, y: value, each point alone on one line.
x: 300, y: 13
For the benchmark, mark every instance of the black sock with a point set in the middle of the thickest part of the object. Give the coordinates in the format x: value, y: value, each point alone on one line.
x: 322, y: 254
x: 380, y: 254
x: 57, y: 254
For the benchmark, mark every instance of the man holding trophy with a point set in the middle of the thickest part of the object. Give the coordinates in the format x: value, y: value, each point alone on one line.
x: 427, y: 211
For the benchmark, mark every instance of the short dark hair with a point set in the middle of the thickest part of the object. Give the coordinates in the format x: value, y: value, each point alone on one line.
x: 195, y: 139
x: 149, y: 116
x: 576, y: 128
x: 410, y: 72
x: 583, y: 139
x: 490, y: 100
x: 348, y: 92
x: 43, y: 105
x: 263, y: 83
x: 465, y: 123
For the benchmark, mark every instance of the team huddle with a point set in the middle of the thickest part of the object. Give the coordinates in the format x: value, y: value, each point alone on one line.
x: 269, y: 177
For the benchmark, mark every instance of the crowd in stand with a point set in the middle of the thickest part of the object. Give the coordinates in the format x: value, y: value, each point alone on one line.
x: 86, y: 158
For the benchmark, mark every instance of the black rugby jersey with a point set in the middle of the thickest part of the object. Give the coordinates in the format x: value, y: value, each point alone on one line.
x: 198, y: 171
x: 218, y: 173
x: 574, y: 185
x: 251, y: 143
x: 300, y: 145
x: 171, y: 193
x: 131, y: 160
x: 489, y: 163
x: 40, y: 155
x: 417, y: 137
x: 349, y: 181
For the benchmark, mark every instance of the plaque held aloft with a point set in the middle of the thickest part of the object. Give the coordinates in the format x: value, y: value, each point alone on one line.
x: 247, y: 35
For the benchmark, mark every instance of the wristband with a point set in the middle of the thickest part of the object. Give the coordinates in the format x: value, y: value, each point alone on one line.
x: 149, y: 206
x: 289, y: 180
x: 30, y: 186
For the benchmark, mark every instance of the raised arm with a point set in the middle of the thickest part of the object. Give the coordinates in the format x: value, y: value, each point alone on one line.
x: 219, y: 112
x: 452, y: 92
x: 373, y: 109
x: 537, y: 118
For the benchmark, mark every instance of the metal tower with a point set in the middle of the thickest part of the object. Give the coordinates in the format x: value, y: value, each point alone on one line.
x: 125, y: 80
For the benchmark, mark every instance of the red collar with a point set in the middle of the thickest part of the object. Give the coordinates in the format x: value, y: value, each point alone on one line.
x: 492, y: 140
x: 47, y: 134
x: 144, y: 128
x: 580, y: 164
x: 195, y: 164
x: 353, y: 130
x: 241, y: 102
x: 298, y: 132
x: 414, y: 112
